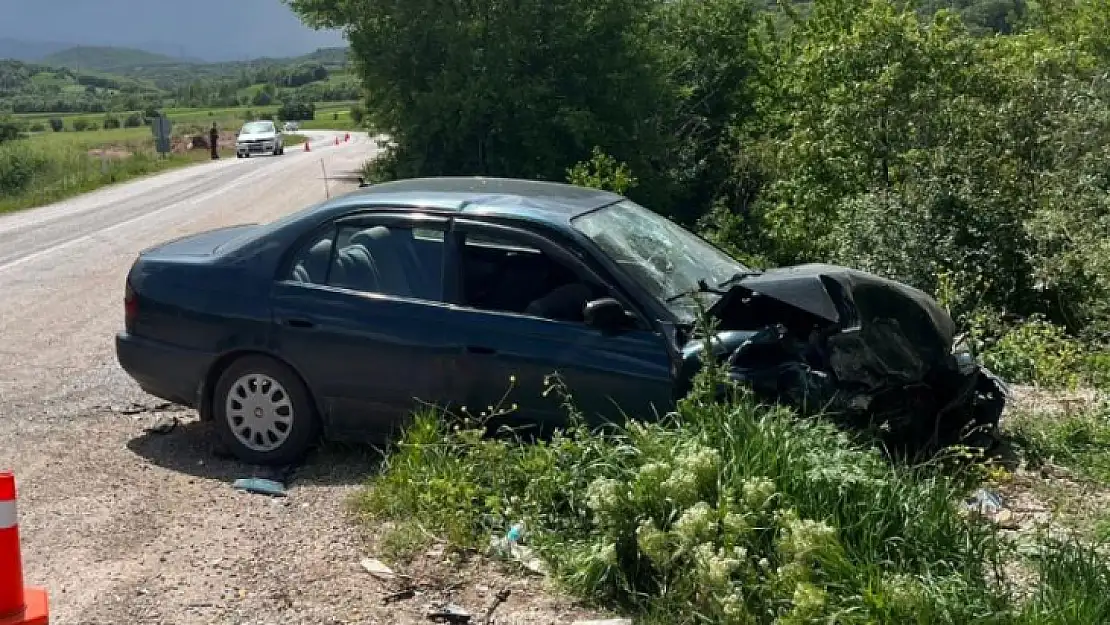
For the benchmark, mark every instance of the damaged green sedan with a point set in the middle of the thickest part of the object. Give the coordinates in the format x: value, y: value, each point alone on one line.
x: 469, y: 292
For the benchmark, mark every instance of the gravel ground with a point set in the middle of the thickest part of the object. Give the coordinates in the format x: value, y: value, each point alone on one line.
x: 123, y: 525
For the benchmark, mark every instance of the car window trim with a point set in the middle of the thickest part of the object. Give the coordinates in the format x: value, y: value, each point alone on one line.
x: 545, y: 244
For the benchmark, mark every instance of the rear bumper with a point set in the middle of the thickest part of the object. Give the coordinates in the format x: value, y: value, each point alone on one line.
x: 171, y: 373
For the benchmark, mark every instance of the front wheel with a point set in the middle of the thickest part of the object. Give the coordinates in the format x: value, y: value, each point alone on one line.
x: 263, y: 412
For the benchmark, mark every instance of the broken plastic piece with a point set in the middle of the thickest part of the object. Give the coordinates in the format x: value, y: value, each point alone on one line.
x: 450, y: 613
x: 260, y: 486
x: 377, y: 568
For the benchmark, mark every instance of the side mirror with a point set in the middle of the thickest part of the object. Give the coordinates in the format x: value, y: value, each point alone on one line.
x: 606, y: 314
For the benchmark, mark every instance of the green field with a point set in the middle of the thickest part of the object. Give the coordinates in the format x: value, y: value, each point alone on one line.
x: 40, y: 170
x: 325, y: 113
x: 48, y: 166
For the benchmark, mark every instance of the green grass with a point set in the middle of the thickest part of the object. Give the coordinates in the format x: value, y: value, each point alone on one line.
x: 729, y: 513
x: 1078, y: 440
x: 55, y: 166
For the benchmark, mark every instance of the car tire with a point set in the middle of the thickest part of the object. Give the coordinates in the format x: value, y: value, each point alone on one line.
x: 263, y: 412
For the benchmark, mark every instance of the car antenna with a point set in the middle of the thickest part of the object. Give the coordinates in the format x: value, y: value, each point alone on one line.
x: 327, y: 192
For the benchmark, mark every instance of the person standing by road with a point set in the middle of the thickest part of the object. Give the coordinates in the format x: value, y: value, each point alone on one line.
x: 214, y: 140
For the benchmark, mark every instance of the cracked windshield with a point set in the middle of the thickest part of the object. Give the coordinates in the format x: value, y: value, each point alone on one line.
x: 665, y: 259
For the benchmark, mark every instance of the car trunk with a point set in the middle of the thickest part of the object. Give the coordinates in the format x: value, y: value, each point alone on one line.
x: 204, y: 243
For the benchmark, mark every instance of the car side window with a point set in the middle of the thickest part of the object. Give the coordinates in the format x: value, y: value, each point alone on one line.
x: 499, y: 273
x: 386, y: 259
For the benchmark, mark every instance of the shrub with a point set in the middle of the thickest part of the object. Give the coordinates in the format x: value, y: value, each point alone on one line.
x: 19, y: 168
x: 602, y: 172
x: 80, y: 124
x: 38, y: 127
x: 297, y: 111
x: 134, y: 120
x: 10, y: 130
x: 56, y: 124
x: 110, y: 122
x: 357, y: 114
x: 1033, y: 352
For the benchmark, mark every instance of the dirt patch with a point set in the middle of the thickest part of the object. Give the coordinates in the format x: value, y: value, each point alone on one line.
x: 111, y: 152
x: 1051, y: 402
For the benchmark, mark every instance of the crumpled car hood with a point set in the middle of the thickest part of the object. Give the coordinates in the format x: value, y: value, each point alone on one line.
x: 887, y: 330
x: 831, y: 339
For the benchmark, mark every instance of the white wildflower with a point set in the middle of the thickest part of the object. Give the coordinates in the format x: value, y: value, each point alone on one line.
x: 808, y: 599
x: 694, y: 525
x: 653, y: 542
x: 803, y: 539
x: 603, y: 494
x: 758, y: 491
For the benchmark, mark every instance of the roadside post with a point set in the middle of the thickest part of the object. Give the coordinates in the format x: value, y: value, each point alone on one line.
x: 160, y: 128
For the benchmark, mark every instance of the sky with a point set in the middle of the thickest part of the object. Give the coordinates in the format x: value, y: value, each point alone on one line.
x: 213, y: 30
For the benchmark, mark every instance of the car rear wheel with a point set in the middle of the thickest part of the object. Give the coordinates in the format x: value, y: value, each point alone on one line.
x: 263, y: 412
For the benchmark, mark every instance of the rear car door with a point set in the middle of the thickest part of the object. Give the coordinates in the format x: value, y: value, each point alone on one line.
x: 506, y: 349
x: 359, y: 312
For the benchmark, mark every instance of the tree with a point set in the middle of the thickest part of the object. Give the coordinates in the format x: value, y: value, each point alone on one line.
x: 521, y: 89
x: 10, y: 130
x: 262, y: 98
x: 297, y: 111
x: 357, y: 114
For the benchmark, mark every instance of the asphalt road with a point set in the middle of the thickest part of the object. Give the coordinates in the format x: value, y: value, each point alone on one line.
x: 125, y: 526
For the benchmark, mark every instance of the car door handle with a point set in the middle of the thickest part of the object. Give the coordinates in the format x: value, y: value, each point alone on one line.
x: 297, y: 322
x: 480, y: 349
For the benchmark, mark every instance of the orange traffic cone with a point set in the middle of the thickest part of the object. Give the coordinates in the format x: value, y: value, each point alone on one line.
x: 18, y: 605
x: 307, y: 147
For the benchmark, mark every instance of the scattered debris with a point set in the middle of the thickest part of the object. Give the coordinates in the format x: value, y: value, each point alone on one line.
x: 450, y: 613
x: 524, y: 555
x: 378, y: 569
x: 134, y: 408
x: 985, y: 502
x: 260, y: 486
x: 408, y: 593
x: 501, y: 597
x: 163, y: 425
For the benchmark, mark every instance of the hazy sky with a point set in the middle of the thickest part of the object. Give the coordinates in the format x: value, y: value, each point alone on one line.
x: 207, y: 29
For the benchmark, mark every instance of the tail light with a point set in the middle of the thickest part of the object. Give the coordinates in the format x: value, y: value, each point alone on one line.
x: 130, y: 305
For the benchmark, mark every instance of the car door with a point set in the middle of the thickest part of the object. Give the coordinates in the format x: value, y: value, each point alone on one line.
x: 359, y: 313
x: 505, y: 355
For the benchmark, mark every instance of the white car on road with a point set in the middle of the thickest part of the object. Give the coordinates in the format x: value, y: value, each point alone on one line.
x: 259, y: 137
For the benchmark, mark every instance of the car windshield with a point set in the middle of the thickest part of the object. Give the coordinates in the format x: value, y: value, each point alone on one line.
x: 663, y: 257
x: 255, y: 127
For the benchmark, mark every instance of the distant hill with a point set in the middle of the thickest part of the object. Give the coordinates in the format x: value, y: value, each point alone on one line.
x: 28, y: 50
x: 109, y: 59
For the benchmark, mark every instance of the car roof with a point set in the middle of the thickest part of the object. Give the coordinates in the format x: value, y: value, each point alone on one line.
x: 551, y: 202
